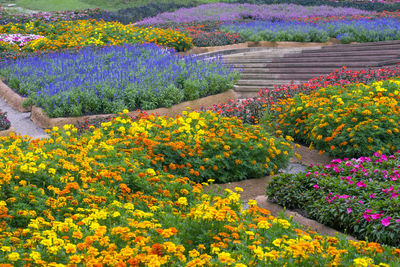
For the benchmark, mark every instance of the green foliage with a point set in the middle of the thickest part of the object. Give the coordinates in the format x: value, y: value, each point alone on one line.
x: 358, y: 196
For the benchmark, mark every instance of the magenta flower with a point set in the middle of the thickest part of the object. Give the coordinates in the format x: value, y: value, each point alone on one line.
x: 386, y: 221
x: 376, y: 216
x: 349, y: 210
x: 316, y: 186
x: 361, y: 184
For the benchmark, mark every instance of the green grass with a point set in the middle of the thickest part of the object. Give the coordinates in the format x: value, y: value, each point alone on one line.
x: 53, y: 5
x: 112, y: 5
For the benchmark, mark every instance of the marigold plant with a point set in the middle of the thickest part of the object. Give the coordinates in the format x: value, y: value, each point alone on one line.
x: 68, y: 34
x: 351, y: 120
x: 95, y: 200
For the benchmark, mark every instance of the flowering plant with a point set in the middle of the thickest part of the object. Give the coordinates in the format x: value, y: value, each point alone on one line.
x: 69, y: 34
x: 4, y: 122
x: 19, y: 39
x: 108, y: 80
x: 95, y: 200
x: 351, y: 120
x: 358, y: 196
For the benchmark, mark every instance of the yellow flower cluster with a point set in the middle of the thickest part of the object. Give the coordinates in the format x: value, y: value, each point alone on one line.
x: 344, y: 121
x: 95, y: 200
x: 71, y: 34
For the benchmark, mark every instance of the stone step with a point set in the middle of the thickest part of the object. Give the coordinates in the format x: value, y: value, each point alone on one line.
x: 363, y: 58
x: 314, y: 65
x: 356, y: 48
x: 247, y: 60
x: 369, y: 45
x: 267, y: 82
x: 342, y: 53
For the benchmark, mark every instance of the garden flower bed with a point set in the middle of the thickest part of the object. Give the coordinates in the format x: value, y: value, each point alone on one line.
x: 111, y: 79
x: 358, y: 196
x: 346, y: 31
x: 82, y: 33
x: 99, y: 199
x: 6, y: 17
x: 252, y: 110
x: 343, y: 121
x: 233, y: 12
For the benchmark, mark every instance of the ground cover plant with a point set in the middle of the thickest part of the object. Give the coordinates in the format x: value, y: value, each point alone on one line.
x: 343, y: 121
x: 95, y: 199
x: 81, y: 33
x: 108, y: 80
x: 4, y: 122
x: 233, y: 12
x: 346, y: 31
x: 358, y: 196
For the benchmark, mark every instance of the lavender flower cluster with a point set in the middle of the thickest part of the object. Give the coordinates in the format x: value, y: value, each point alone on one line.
x: 234, y: 12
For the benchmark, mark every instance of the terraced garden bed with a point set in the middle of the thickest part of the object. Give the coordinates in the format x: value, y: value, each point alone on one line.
x: 135, y: 190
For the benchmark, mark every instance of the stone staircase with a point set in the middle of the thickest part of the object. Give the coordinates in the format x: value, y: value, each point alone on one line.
x: 267, y: 67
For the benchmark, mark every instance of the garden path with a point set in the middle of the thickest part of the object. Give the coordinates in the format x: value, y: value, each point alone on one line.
x: 21, y: 122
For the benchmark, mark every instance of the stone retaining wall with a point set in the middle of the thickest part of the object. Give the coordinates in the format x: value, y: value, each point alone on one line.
x: 43, y: 121
x: 7, y: 132
x: 200, y: 50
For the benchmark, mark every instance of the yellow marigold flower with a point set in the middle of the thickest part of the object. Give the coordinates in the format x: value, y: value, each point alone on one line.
x: 182, y: 201
x: 362, y: 262
x: 14, y: 256
x: 194, y: 253
x: 238, y: 189
x: 225, y: 257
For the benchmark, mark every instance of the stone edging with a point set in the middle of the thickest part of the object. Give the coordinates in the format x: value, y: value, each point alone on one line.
x: 43, y: 121
x: 7, y: 132
x: 200, y: 50
x: 13, y: 99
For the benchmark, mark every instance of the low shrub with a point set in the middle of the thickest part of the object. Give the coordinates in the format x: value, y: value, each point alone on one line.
x: 351, y: 120
x: 358, y: 196
x: 94, y: 199
x: 108, y: 80
x: 4, y: 122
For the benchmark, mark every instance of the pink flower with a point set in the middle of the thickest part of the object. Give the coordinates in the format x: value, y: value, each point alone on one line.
x: 376, y: 216
x: 361, y: 184
x: 316, y: 186
x: 349, y: 210
x: 372, y: 195
x: 386, y: 221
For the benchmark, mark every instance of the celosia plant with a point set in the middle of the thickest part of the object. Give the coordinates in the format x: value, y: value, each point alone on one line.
x: 359, y: 196
x: 343, y: 121
x: 95, y: 200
